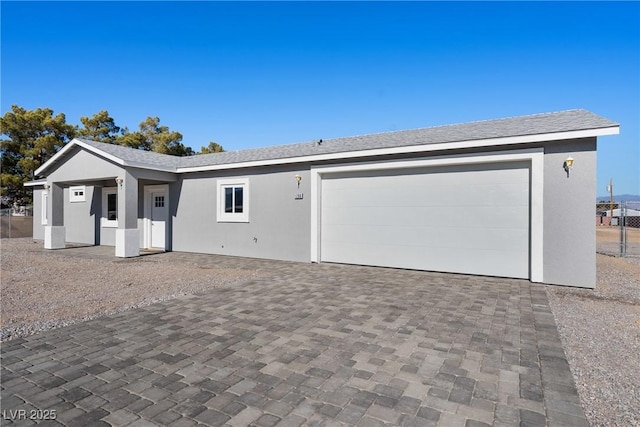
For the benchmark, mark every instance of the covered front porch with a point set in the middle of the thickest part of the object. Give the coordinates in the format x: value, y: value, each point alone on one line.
x: 93, y: 200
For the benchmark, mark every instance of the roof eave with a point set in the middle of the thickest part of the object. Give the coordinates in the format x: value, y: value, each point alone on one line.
x: 101, y: 153
x: 35, y: 183
x: 76, y: 142
x: 423, y: 148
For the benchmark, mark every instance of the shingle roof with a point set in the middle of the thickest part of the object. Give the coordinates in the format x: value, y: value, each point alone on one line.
x: 134, y: 155
x: 564, y: 121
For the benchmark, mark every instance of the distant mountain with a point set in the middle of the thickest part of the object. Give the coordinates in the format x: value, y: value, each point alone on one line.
x: 619, y: 198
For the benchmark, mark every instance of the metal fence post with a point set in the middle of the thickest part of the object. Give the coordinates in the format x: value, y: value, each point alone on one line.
x: 623, y: 229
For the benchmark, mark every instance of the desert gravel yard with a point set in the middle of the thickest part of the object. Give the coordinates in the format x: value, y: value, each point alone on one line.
x: 600, y: 330
x: 45, y: 290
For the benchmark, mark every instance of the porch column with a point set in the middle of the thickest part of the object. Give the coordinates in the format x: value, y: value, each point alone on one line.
x: 127, y: 234
x: 54, y: 234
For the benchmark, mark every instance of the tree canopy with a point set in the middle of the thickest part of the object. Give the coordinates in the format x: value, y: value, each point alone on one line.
x: 101, y: 127
x: 34, y: 136
x: 213, y: 147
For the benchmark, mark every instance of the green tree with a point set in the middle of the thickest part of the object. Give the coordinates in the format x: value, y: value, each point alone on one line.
x: 154, y: 137
x: 213, y: 147
x: 101, y: 127
x: 33, y: 137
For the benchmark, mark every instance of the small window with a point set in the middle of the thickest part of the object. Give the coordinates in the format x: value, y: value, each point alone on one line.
x: 159, y: 201
x: 233, y: 200
x: 77, y: 194
x: 109, y: 207
x: 112, y: 207
x: 45, y: 201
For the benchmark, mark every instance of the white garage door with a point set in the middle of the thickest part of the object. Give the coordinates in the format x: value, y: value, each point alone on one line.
x: 472, y: 220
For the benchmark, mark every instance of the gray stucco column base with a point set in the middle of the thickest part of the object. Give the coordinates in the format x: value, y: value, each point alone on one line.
x: 127, y: 242
x: 54, y: 237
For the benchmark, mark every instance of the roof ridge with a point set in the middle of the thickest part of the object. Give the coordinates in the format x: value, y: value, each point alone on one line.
x: 136, y: 150
x: 460, y: 123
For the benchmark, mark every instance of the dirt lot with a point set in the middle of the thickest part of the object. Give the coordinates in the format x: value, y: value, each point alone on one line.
x: 600, y: 331
x: 16, y: 226
x: 608, y: 240
x: 43, y: 290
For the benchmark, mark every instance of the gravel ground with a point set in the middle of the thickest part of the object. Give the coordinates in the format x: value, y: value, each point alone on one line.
x: 600, y: 329
x: 41, y: 291
x: 600, y: 332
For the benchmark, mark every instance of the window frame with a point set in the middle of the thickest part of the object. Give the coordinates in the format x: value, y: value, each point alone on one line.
x: 233, y: 183
x: 106, y: 222
x: 77, y: 198
x: 44, y: 201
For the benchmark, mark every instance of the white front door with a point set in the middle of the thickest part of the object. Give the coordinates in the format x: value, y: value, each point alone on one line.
x: 159, y: 210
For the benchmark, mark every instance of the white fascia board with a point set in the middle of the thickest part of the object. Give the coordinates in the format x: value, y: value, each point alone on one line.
x: 100, y: 153
x: 477, y: 143
x: 68, y: 147
x: 103, y: 154
x: 56, y: 156
x: 35, y: 183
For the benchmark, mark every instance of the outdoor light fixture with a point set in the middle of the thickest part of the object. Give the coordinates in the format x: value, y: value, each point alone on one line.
x: 298, y: 179
x: 119, y: 181
x: 568, y: 164
x: 46, y: 186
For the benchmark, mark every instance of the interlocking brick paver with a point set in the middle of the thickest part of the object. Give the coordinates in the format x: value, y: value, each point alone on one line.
x: 305, y: 344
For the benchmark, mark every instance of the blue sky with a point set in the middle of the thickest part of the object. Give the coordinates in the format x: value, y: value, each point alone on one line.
x: 257, y: 74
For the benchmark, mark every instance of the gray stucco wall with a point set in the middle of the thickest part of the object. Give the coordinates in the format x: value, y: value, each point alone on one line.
x: 79, y: 165
x: 569, y: 209
x: 38, y: 228
x: 279, y: 226
x: 80, y: 217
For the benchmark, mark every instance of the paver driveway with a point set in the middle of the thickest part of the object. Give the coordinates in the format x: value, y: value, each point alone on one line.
x: 305, y: 344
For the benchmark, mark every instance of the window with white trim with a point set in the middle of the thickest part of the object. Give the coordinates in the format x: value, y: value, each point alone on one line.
x: 109, y: 207
x: 77, y: 194
x: 233, y: 200
x: 44, y: 218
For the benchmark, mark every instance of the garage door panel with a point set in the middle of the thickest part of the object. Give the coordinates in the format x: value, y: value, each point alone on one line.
x: 461, y: 220
x: 407, y: 190
x: 483, y: 216
x: 434, y: 259
x: 424, y: 237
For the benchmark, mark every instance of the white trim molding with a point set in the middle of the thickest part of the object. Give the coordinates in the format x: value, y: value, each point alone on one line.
x: 77, y: 194
x: 419, y: 148
x: 44, y: 212
x: 535, y: 156
x: 233, y: 183
x: 147, y: 203
x: 105, y: 221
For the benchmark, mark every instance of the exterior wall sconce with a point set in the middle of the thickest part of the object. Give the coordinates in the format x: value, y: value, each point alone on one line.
x: 46, y: 186
x: 119, y: 181
x: 568, y: 164
x: 298, y: 179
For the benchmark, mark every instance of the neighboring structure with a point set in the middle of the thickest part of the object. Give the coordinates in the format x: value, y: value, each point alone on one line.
x: 627, y: 212
x: 630, y: 217
x: 510, y: 197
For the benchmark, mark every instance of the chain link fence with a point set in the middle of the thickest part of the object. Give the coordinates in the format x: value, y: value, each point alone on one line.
x: 16, y: 222
x: 619, y: 234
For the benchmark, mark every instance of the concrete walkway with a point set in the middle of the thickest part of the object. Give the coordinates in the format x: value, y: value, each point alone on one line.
x: 305, y: 345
